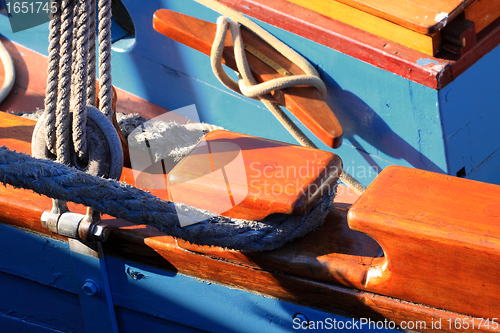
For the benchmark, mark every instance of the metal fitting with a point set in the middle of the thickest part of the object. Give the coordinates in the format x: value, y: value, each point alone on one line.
x: 74, y: 225
x: 100, y: 232
x: 90, y: 288
x: 302, y: 318
x: 49, y: 221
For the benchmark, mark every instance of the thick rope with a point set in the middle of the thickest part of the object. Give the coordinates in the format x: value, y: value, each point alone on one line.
x: 71, y: 80
x: 244, y: 86
x: 91, y: 69
x: 64, y: 86
x: 105, y: 88
x: 80, y: 84
x: 311, y: 74
x: 52, y: 76
x: 137, y: 206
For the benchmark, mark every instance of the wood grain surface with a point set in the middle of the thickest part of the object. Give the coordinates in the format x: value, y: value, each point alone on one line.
x: 483, y: 13
x: 246, y: 177
x: 418, y: 15
x: 378, y: 25
x: 440, y: 236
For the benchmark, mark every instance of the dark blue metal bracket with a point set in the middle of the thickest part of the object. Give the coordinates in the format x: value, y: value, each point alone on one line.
x: 93, y: 287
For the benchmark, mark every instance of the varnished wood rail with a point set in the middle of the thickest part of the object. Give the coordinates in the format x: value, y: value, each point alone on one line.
x: 441, y: 237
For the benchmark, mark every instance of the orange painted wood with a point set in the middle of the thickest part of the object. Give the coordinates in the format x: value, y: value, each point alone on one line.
x: 418, y: 15
x: 306, y: 103
x: 379, y: 26
x: 440, y: 235
x: 245, y: 271
x: 248, y: 177
x: 483, y: 13
x: 327, y: 269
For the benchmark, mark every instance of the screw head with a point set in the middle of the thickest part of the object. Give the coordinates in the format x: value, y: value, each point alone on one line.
x: 90, y: 288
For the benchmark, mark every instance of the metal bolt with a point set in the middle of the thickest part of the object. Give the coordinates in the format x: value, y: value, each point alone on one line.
x: 101, y: 232
x: 49, y: 220
x: 135, y: 274
x: 90, y: 288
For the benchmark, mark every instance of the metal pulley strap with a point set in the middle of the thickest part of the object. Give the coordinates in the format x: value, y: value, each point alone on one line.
x: 71, y: 71
x: 105, y: 159
x: 74, y: 225
x: 105, y: 152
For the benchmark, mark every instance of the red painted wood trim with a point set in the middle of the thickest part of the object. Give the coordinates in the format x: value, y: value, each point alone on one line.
x: 364, y: 46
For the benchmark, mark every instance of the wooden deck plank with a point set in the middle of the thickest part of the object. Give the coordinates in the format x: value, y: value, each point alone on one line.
x: 364, y: 46
x: 483, y: 13
x: 374, y: 25
x: 423, y: 16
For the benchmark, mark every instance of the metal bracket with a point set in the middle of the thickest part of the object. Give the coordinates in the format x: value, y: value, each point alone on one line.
x: 93, y: 285
x: 76, y: 226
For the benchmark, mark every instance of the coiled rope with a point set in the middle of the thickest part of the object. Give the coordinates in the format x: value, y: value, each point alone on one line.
x: 248, y: 86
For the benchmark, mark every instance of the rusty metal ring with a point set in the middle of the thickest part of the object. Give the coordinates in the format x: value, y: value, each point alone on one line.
x: 105, y: 154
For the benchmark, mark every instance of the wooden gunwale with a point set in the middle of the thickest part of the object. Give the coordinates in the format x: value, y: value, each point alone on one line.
x: 327, y: 269
x: 144, y: 244
x: 364, y: 46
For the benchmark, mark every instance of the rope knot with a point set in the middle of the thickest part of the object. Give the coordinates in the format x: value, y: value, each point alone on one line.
x: 247, y: 85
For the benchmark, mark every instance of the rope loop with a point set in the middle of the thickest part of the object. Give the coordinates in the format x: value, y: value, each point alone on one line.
x: 247, y: 85
x: 72, y: 131
x: 105, y: 154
